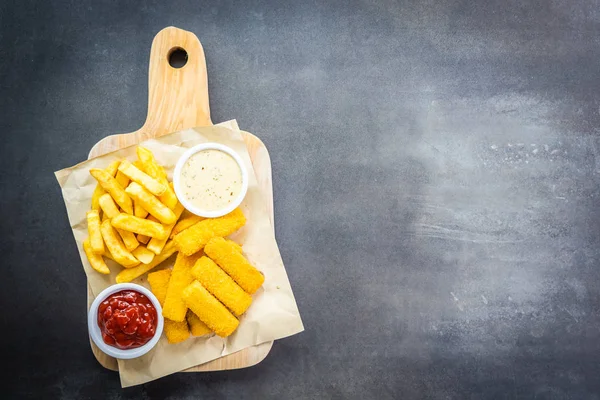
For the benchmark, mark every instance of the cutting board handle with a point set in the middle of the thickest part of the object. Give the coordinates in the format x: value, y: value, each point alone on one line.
x: 177, y: 97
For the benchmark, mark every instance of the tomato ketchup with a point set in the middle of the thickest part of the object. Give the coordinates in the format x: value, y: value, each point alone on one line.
x: 127, y: 319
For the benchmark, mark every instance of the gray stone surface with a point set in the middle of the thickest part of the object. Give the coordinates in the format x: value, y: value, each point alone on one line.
x: 436, y: 183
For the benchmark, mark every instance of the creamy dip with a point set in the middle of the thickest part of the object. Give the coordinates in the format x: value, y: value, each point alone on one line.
x: 211, y: 179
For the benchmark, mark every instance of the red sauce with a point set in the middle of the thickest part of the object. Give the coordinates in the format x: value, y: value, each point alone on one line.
x: 127, y: 319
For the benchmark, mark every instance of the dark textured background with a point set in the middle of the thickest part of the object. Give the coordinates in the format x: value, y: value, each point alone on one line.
x: 436, y: 183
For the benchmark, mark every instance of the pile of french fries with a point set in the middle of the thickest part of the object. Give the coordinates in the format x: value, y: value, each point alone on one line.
x: 133, y: 215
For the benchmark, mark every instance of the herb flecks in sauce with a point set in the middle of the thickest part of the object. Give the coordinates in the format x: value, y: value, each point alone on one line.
x: 208, y: 177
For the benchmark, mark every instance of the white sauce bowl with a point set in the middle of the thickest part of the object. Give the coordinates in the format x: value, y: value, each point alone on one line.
x: 181, y: 196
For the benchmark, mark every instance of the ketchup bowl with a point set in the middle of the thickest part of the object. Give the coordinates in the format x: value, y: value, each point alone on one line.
x: 125, y: 321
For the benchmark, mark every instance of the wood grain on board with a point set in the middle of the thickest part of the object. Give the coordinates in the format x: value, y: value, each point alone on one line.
x: 177, y: 100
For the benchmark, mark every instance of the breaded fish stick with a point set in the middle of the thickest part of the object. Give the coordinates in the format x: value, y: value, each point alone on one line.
x: 127, y: 275
x: 184, y: 223
x: 159, y: 282
x: 174, y: 331
x: 210, y: 311
x: 197, y: 327
x: 236, y: 246
x: 195, y: 238
x: 228, y: 257
x: 181, y: 277
x: 220, y: 285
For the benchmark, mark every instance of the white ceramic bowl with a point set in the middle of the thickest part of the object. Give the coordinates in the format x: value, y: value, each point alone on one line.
x: 181, y: 196
x: 96, y: 334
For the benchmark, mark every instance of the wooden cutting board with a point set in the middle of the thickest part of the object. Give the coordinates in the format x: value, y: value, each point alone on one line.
x: 177, y: 100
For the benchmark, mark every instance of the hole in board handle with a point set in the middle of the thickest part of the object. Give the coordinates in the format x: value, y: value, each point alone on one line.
x: 177, y: 57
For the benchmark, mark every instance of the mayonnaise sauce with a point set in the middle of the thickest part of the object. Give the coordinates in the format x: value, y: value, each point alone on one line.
x: 211, y: 179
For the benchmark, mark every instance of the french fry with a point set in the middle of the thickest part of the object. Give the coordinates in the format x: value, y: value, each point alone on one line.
x: 151, y: 167
x: 116, y: 246
x: 108, y: 206
x: 110, y: 210
x: 184, y: 223
x: 169, y: 198
x: 156, y: 245
x: 95, y: 238
x: 108, y: 255
x: 143, y: 239
x: 95, y: 260
x: 151, y: 184
x: 174, y: 331
x: 111, y: 169
x: 138, y: 165
x: 195, y: 238
x: 110, y: 184
x: 151, y: 204
x: 181, y: 276
x: 138, y: 210
x: 98, y: 191
x: 197, y: 327
x: 129, y: 240
x: 128, y: 275
x: 143, y: 254
x: 210, y: 311
x: 122, y: 179
x: 149, y: 164
x: 138, y: 225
